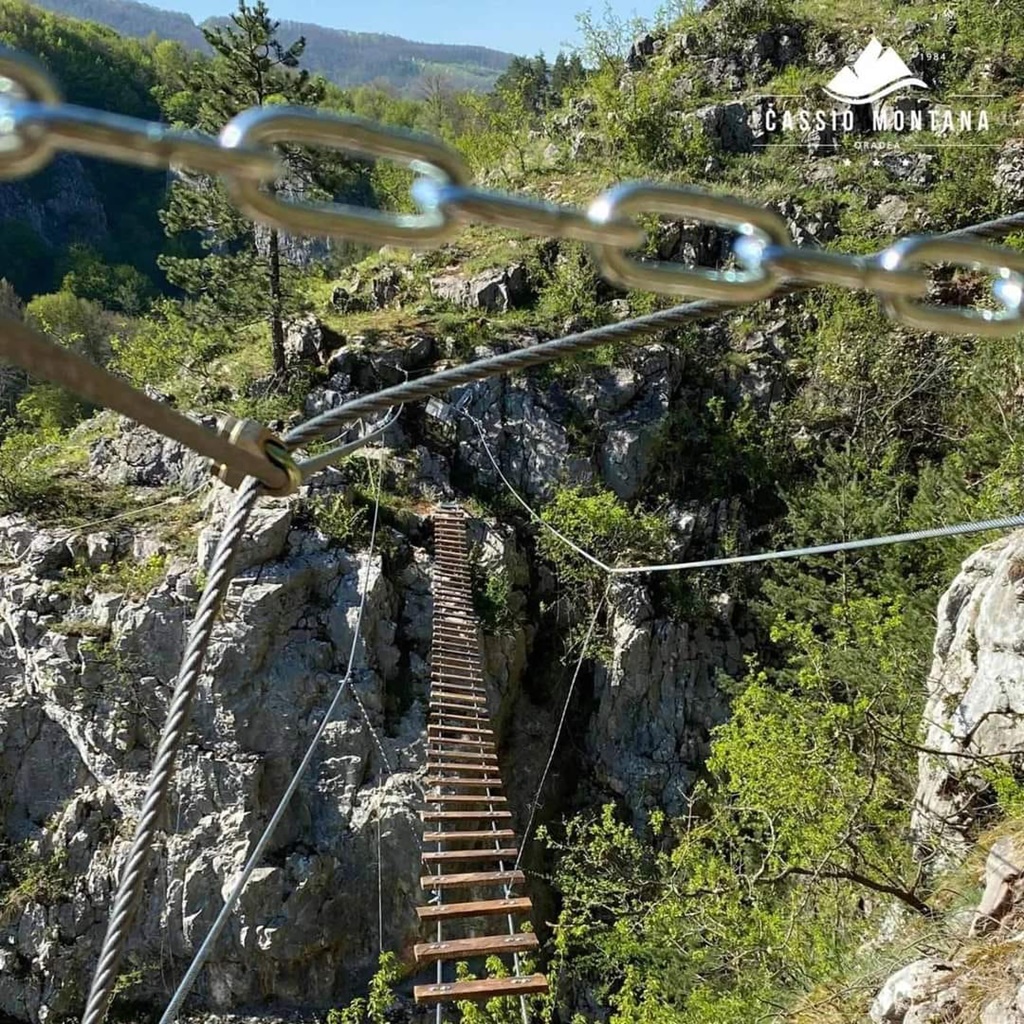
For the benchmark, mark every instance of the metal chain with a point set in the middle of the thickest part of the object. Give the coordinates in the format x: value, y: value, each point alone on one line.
x: 131, y: 882
x: 35, y: 123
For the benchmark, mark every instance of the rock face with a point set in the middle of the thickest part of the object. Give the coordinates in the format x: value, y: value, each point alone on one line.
x: 495, y: 290
x: 975, y: 700
x: 71, y: 210
x: 1004, y: 869
x: 86, y: 688
x: 138, y: 456
x: 914, y: 995
x: 657, y: 702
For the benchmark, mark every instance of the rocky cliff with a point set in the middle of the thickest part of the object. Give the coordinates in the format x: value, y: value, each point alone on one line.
x: 88, y: 670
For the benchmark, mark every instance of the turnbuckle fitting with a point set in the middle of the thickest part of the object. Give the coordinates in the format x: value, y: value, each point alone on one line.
x: 255, y: 438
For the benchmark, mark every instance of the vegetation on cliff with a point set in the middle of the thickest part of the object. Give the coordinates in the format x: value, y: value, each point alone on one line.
x: 818, y: 419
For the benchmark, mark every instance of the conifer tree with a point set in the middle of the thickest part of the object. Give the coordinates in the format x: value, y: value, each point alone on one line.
x: 241, y: 276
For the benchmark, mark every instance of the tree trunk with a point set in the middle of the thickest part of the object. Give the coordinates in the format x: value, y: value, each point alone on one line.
x: 276, y: 304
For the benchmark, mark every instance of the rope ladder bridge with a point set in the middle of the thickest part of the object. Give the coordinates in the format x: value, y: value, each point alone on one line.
x: 469, y: 817
x: 467, y: 813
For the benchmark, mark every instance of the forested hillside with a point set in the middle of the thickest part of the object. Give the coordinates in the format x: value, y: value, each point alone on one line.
x: 344, y: 58
x: 732, y: 841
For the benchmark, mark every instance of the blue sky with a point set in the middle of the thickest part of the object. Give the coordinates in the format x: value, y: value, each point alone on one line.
x: 519, y: 26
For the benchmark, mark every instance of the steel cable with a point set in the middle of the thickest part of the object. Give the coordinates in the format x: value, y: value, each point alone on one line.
x: 131, y: 882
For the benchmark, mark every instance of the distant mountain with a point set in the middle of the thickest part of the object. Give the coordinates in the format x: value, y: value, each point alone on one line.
x: 345, y: 58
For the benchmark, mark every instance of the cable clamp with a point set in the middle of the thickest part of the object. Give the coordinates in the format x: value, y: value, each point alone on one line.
x: 257, y: 439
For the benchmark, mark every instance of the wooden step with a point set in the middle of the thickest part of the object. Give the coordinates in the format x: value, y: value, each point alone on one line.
x: 445, y: 716
x: 485, y: 762
x: 506, y: 853
x: 465, y: 699
x: 477, y: 908
x: 451, y: 684
x: 465, y: 815
x: 459, y: 730
x: 452, y: 745
x: 439, y: 692
x: 481, y: 945
x: 482, y: 990
x: 466, y: 837
x: 463, y: 678
x: 465, y: 881
x: 447, y: 666
x: 461, y: 780
x: 452, y: 709
x: 490, y: 770
x: 465, y: 798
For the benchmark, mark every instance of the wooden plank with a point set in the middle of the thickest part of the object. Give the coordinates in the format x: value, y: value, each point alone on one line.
x: 481, y: 945
x: 464, y: 881
x: 442, y: 715
x: 463, y: 700
x: 459, y: 730
x: 482, y: 990
x: 473, y: 750
x: 485, y: 762
x: 456, y: 687
x: 460, y: 780
x: 448, y: 747
x: 454, y: 708
x: 456, y: 766
x: 506, y: 853
x: 453, y: 701
x: 470, y: 815
x: 466, y: 837
x: 465, y: 798
x: 474, y: 908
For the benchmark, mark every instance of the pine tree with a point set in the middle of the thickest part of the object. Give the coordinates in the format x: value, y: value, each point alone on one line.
x: 239, y: 277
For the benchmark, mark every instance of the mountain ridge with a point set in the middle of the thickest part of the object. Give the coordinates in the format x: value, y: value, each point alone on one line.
x: 344, y: 57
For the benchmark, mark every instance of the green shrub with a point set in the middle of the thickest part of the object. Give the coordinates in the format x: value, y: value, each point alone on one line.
x: 338, y: 518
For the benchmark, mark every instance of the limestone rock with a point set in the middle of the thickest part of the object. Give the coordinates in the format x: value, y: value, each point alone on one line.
x: 1004, y: 869
x: 975, y: 701
x: 912, y: 986
x: 141, y: 457
x: 1009, y: 173
x: 307, y: 340
x: 727, y: 126
x: 495, y: 290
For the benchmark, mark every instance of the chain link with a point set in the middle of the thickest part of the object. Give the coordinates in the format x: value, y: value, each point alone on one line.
x: 35, y: 123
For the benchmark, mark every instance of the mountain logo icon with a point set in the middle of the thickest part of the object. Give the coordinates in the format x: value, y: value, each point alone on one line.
x: 877, y: 72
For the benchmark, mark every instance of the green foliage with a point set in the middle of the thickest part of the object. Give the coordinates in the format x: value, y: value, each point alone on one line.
x: 31, y: 879
x: 89, y: 276
x: 168, y: 345
x: 502, y: 1009
x: 495, y: 600
x: 569, y: 287
x: 241, y: 275
x: 601, y: 524
x: 337, y: 517
x: 374, y: 1009
x: 126, y: 576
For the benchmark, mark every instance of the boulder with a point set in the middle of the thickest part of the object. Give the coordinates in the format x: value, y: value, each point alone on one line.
x: 727, y: 126
x: 1004, y: 869
x: 975, y: 702
x: 385, y: 287
x: 495, y: 290
x: 308, y: 340
x: 915, y: 985
x: 1009, y: 173
x: 641, y: 51
x: 138, y: 456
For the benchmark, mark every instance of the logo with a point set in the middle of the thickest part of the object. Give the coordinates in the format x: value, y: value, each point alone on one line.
x: 877, y: 72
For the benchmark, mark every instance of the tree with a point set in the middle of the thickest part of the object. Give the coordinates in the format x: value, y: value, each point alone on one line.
x: 242, y: 275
